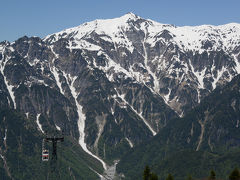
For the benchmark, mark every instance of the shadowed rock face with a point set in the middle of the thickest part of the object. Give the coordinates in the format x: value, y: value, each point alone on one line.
x: 130, y: 78
x: 208, y: 134
x: 38, y: 77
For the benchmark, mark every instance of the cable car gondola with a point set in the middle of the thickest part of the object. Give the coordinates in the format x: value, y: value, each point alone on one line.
x: 45, y: 155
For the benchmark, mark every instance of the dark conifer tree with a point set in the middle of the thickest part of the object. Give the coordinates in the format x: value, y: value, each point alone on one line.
x: 189, y: 177
x: 212, y: 175
x: 170, y: 177
x: 146, y: 173
x: 153, y: 177
x: 235, y: 175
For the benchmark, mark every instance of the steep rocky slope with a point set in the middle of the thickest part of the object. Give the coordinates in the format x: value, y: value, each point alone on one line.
x: 206, y: 138
x: 171, y: 61
x: 113, y: 84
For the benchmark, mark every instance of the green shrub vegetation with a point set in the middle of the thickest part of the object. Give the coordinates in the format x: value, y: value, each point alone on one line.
x: 23, y: 153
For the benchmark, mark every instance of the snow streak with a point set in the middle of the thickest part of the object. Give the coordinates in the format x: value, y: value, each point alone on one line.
x: 129, y: 142
x: 54, y: 71
x: 237, y: 64
x: 57, y: 127
x: 5, y: 137
x: 81, y: 119
x: 155, y: 80
x: 219, y: 75
x: 140, y: 115
x: 38, y: 123
x: 27, y: 114
x: 9, y: 87
x: 56, y: 76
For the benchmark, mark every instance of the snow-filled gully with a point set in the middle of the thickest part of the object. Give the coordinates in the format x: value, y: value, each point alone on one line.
x: 237, y: 67
x: 56, y: 76
x: 156, y: 84
x: 38, y: 123
x: 129, y: 142
x: 155, y: 80
x: 139, y: 115
x: 81, y: 119
x: 81, y: 116
x: 9, y: 87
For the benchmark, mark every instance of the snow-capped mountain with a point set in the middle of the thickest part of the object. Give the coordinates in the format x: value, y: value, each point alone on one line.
x: 112, y: 84
x: 168, y: 59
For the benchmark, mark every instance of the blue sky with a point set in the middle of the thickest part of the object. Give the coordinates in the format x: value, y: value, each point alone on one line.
x: 43, y: 17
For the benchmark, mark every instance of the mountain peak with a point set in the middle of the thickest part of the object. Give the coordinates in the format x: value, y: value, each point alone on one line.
x: 188, y: 38
x: 126, y: 18
x: 131, y: 15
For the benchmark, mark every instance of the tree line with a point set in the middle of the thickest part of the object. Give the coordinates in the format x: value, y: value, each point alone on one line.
x: 148, y: 175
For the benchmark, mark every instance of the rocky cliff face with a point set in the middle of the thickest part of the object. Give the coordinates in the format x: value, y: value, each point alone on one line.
x: 206, y: 138
x: 180, y: 64
x: 112, y: 84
